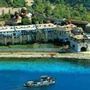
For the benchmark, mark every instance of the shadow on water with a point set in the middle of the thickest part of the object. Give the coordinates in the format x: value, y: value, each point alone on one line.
x: 37, y: 88
x: 80, y: 62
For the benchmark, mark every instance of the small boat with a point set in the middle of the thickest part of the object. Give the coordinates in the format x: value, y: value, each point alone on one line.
x: 44, y: 81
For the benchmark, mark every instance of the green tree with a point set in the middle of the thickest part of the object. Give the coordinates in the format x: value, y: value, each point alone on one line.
x: 48, y: 8
x: 38, y: 6
x: 19, y: 3
x: 25, y: 21
x: 61, y: 10
x: 83, y: 12
x: 79, y: 12
x: 6, y: 16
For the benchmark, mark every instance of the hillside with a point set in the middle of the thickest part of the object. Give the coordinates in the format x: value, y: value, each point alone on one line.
x: 70, y: 1
x: 21, y: 3
x: 3, y: 3
x: 12, y: 3
x: 86, y: 3
x: 47, y: 10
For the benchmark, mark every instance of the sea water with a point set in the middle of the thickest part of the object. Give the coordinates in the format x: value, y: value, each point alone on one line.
x: 68, y: 75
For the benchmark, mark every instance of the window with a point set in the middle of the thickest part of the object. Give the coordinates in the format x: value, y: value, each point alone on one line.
x: 73, y: 46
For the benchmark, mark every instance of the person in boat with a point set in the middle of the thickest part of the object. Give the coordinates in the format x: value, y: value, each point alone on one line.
x: 46, y: 78
x: 49, y: 79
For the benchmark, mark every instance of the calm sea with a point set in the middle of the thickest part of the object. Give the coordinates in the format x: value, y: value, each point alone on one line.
x: 68, y: 75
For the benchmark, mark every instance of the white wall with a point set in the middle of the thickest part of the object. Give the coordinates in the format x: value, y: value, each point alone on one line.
x: 78, y: 46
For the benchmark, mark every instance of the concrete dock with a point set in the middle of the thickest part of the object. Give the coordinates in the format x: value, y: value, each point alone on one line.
x: 26, y: 55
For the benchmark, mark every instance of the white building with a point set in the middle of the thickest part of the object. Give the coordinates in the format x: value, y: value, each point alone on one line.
x: 68, y: 33
x: 75, y: 36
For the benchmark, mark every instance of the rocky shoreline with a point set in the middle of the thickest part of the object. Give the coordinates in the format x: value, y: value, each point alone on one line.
x: 26, y: 55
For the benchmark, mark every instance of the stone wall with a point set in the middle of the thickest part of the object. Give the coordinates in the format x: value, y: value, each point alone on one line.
x: 4, y: 10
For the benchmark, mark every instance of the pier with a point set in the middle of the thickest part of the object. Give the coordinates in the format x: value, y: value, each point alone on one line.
x: 28, y: 55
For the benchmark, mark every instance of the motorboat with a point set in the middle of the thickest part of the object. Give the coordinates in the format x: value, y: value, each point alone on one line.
x: 44, y: 81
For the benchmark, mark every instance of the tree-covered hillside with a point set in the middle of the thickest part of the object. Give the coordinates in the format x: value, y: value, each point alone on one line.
x: 70, y: 1
x: 12, y: 3
x: 20, y: 3
x: 3, y: 3
x: 44, y: 10
x: 58, y: 9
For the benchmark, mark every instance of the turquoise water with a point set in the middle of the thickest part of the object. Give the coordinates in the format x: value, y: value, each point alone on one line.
x: 68, y: 75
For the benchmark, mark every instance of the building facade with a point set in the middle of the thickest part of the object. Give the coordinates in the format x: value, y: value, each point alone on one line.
x: 43, y: 33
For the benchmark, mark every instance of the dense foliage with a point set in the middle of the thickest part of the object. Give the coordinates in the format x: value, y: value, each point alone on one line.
x: 58, y: 9
x: 53, y: 9
x: 25, y: 21
x: 13, y: 3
